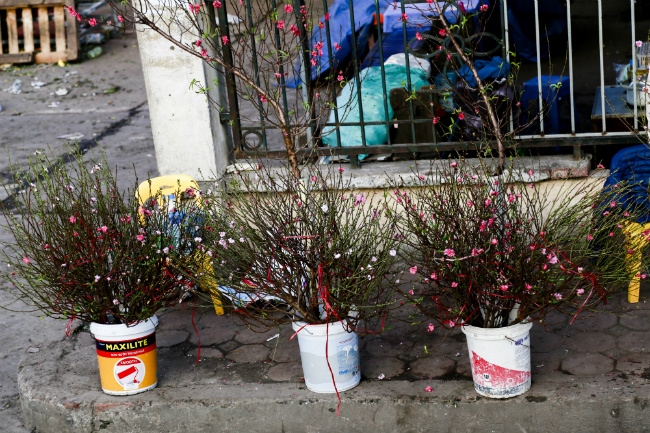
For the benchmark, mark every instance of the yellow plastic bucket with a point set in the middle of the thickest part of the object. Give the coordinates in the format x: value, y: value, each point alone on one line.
x: 126, y: 356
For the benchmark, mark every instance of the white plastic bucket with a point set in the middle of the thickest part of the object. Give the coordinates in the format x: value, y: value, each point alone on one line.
x: 126, y: 356
x: 342, y: 353
x: 500, y: 359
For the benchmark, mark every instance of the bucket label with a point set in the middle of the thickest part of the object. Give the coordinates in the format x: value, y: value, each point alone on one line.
x: 127, y: 366
x: 494, y: 379
x: 129, y: 373
x: 120, y: 349
x: 347, y: 356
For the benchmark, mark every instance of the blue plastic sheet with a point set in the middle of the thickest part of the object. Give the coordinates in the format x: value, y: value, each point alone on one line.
x: 494, y: 68
x: 341, y: 33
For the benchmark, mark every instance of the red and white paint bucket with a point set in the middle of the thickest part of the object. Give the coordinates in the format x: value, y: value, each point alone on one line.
x: 500, y: 359
x: 126, y: 356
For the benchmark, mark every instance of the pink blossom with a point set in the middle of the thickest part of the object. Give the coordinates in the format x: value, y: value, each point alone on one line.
x: 484, y: 8
x: 120, y: 18
x: 600, y: 166
x: 428, y: 389
x: 544, y: 267
x: 418, y: 36
x: 216, y: 4
x: 431, y: 327
x: 434, y: 276
x: 314, y: 178
x: 195, y: 8
x: 580, y: 291
x: 340, y: 76
x: 494, y: 241
x: 204, y: 53
x: 341, y: 169
x: 140, y: 238
x: 488, y: 202
x: 92, y: 22
x: 392, y: 252
x: 493, y: 193
x: 281, y: 24
x: 337, y: 46
x: 294, y: 30
x: 421, y: 177
x: 461, y: 116
x: 474, y: 252
x: 103, y: 229
x: 435, y: 120
x: 449, y: 252
x: 530, y: 172
x: 453, y: 164
x: 224, y: 39
x: 263, y: 98
x: 504, y: 287
x: 26, y: 260
x: 73, y: 219
x: 639, y: 44
x: 411, y: 292
x: 531, y: 186
x: 454, y: 284
x: 612, y: 204
x: 198, y: 43
x: 326, y: 16
x: 590, y: 237
x: 469, y: 203
x: 442, y: 32
x: 552, y: 260
x: 557, y: 296
x: 528, y: 287
x: 413, y: 270
x: 288, y: 8
x: 404, y: 18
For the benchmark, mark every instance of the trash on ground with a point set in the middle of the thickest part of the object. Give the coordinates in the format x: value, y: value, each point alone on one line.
x: 15, y: 88
x: 61, y: 63
x: 73, y: 136
x: 94, y: 53
x: 93, y: 39
x: 53, y: 104
x: 38, y: 84
x: 61, y: 91
x: 111, y: 90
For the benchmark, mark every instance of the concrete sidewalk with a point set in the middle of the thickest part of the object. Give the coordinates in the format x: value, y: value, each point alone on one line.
x: 593, y: 376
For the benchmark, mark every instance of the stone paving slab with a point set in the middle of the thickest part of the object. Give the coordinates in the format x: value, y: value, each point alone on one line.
x: 591, y: 376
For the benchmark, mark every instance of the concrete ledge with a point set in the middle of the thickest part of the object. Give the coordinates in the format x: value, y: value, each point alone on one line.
x: 377, y: 175
x: 593, y: 376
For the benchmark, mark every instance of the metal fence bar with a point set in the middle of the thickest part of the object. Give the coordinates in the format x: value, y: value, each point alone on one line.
x: 231, y: 84
x: 602, y: 64
x: 383, y: 69
x: 634, y: 67
x: 539, y: 69
x: 305, y: 71
x: 331, y: 64
x: 408, y: 70
x: 256, y: 69
x: 570, y: 42
x: 281, y: 70
x: 506, y: 36
x: 354, y: 161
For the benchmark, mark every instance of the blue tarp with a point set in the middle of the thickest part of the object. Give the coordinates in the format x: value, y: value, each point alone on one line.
x: 341, y: 33
x: 487, y: 69
x: 632, y: 164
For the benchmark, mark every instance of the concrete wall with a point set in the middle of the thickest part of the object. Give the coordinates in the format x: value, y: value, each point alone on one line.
x: 188, y: 136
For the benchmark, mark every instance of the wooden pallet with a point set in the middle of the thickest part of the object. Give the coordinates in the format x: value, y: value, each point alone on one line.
x: 37, y: 30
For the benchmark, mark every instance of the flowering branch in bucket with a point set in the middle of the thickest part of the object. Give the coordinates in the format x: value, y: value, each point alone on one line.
x: 491, y: 251
x: 83, y: 249
x: 313, y: 248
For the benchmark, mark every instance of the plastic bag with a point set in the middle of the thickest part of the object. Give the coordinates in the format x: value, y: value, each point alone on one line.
x: 372, y: 99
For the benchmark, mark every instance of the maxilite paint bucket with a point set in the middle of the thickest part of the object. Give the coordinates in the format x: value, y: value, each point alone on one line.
x: 126, y: 356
